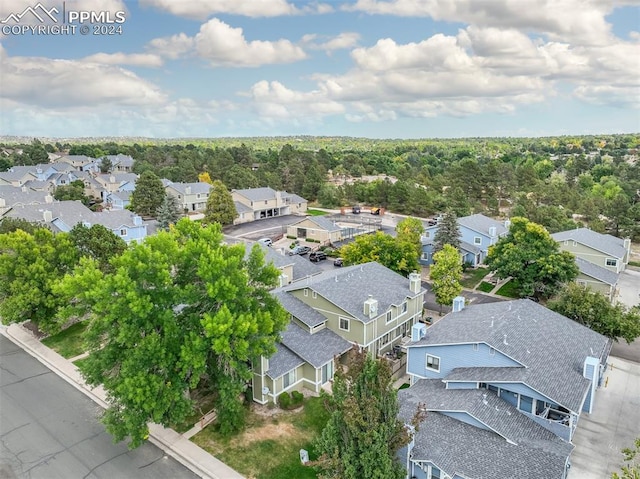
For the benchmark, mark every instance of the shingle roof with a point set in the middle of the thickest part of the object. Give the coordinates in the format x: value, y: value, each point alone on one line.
x: 349, y: 287
x: 13, y: 195
x: 601, y: 274
x: 464, y: 246
x: 199, y: 187
x: 299, y: 309
x: 318, y: 348
x: 293, y: 197
x: 120, y: 159
x: 240, y: 208
x: 303, y: 268
x: 605, y: 243
x: 114, y: 219
x: 481, y: 224
x: 258, y: 194
x: 283, y: 361
x: 550, y: 346
x: 16, y: 173
x: 322, y: 223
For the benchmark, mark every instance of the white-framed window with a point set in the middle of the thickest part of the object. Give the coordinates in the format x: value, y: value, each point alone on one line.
x: 492, y: 351
x: 123, y: 232
x: 343, y: 323
x: 403, y: 308
x: 385, y: 339
x: 566, y: 242
x: 611, y: 262
x: 425, y: 256
x: 288, y: 379
x: 314, y: 295
x: 475, y: 346
x: 477, y: 240
x: 575, y: 243
x: 306, y: 292
x: 433, y: 363
x: 389, y: 317
x: 427, y: 234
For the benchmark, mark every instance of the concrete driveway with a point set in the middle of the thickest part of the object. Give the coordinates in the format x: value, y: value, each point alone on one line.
x: 629, y: 287
x: 614, y: 424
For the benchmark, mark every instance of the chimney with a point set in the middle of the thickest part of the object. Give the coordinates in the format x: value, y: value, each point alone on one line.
x: 112, y: 179
x: 507, y: 224
x: 371, y: 307
x: 24, y: 189
x: 187, y: 190
x: 284, y: 280
x: 278, y: 198
x: 2, y: 203
x: 48, y: 199
x: 627, y: 245
x: 414, y: 282
x: 47, y: 216
x: 492, y: 231
x: 418, y: 331
x: 458, y: 304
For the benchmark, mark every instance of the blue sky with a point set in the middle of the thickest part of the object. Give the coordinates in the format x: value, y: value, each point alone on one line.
x: 366, y: 68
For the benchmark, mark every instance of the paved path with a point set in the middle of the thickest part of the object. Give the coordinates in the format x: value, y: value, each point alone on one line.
x: 184, y: 451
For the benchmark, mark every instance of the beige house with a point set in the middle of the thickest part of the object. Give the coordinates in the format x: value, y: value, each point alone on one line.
x: 598, y: 279
x: 317, y: 229
x: 366, y: 305
x: 190, y: 196
x: 260, y: 203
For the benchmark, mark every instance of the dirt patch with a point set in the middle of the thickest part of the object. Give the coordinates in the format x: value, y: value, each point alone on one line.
x: 33, y: 329
x: 269, y: 431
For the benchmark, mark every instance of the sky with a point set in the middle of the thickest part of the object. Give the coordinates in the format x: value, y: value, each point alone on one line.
x: 361, y: 68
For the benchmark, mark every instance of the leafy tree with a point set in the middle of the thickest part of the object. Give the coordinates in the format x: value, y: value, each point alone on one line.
x: 97, y: 242
x: 72, y: 192
x: 594, y: 310
x: 148, y: 195
x: 446, y: 274
x: 398, y: 256
x: 363, y: 434
x: 530, y: 256
x: 9, y: 225
x: 205, y: 178
x: 220, y: 206
x: 30, y: 265
x: 169, y: 212
x: 105, y: 165
x: 177, y: 310
x: 448, y: 232
x: 410, y: 231
x: 632, y: 469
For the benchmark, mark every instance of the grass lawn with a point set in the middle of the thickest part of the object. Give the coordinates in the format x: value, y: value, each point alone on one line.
x: 509, y: 289
x: 68, y: 342
x: 313, y: 212
x: 269, y: 447
x: 485, y: 287
x: 473, y: 276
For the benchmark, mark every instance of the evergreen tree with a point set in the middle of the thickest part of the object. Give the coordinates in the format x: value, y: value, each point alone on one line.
x: 446, y: 274
x: 148, y: 195
x: 220, y: 206
x: 105, y: 165
x: 448, y: 232
x: 169, y: 212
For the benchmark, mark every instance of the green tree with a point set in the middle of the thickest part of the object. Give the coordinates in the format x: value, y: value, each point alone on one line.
x: 105, y: 165
x: 410, y: 230
x: 169, y: 212
x: 446, y: 274
x: 148, y: 195
x: 177, y: 310
x: 530, y: 256
x: 363, y: 434
x: 447, y: 233
x: 9, y: 225
x: 632, y: 469
x: 97, y: 242
x: 72, y: 192
x: 30, y: 265
x: 220, y: 206
x: 398, y: 256
x: 594, y: 310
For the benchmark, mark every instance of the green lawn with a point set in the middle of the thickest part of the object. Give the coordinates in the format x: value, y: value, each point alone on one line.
x: 269, y: 448
x: 509, y: 289
x: 485, y: 287
x: 68, y: 342
x: 313, y: 212
x: 473, y: 276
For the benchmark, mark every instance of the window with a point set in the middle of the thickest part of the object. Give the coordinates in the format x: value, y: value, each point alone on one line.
x: 403, y: 308
x: 288, y: 379
x: 314, y: 294
x: 389, y: 317
x: 266, y: 202
x: 492, y: 351
x: 526, y: 403
x: 425, y: 256
x: 433, y: 363
x: 306, y: 292
x: 566, y: 242
x: 123, y: 232
x: 475, y: 346
x: 477, y: 240
x: 427, y: 234
x: 385, y: 339
x: 344, y: 323
x: 611, y: 262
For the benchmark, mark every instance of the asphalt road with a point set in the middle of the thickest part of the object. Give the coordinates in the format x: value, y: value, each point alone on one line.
x: 471, y: 298
x: 48, y: 429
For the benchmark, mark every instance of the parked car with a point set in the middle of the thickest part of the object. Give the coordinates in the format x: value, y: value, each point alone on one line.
x: 375, y: 211
x: 265, y: 241
x: 338, y: 262
x: 356, y: 210
x: 299, y: 250
x: 317, y: 256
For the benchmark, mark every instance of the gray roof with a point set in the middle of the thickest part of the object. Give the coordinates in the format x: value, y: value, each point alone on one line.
x: 293, y: 197
x: 481, y: 224
x: 303, y: 268
x: 120, y: 159
x: 16, y: 173
x: 283, y: 361
x: 114, y: 219
x: 473, y: 453
x: 13, y: 195
x: 240, y: 208
x: 300, y: 310
x: 258, y: 194
x: 605, y: 243
x: 82, y: 159
x: 322, y: 223
x: 199, y: 187
x: 349, y: 287
x: 551, y: 347
x: 597, y: 272
x: 119, y: 178
x: 316, y: 349
x: 464, y: 246
x: 62, y: 167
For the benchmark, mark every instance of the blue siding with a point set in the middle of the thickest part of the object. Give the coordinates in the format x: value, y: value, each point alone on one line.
x: 587, y: 402
x: 454, y: 356
x: 558, y: 429
x: 469, y: 385
x: 523, y: 389
x: 466, y: 418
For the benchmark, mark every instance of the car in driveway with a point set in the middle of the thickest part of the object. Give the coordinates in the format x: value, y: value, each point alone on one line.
x: 265, y: 241
x: 317, y: 256
x: 338, y: 262
x: 299, y: 250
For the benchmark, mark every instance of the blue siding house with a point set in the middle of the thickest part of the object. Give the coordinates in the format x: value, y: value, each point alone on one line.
x: 504, y: 385
x: 477, y: 233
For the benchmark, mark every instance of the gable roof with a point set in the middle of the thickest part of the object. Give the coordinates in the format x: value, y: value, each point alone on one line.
x: 481, y: 224
x: 469, y: 248
x: 321, y: 222
x: 551, y: 347
x: 196, y: 188
x: 283, y: 361
x: 241, y: 208
x: 604, y: 243
x: 597, y: 272
x: 14, y: 195
x: 257, y: 194
x: 300, y: 310
x: 318, y: 348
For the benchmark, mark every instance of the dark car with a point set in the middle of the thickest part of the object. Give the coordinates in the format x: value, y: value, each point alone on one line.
x: 356, y: 210
x: 317, y: 256
x: 299, y: 250
x: 338, y: 262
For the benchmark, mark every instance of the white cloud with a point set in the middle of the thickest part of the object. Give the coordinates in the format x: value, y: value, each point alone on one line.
x: 341, y: 41
x: 136, y: 59
x: 172, y: 47
x: 224, y: 45
x: 203, y: 9
x: 274, y: 100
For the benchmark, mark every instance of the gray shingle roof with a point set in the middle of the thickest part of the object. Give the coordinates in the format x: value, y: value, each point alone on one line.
x: 114, y: 219
x: 551, y: 347
x: 13, y: 195
x: 283, y: 361
x: 464, y: 246
x: 601, y: 274
x: 120, y: 159
x: 240, y: 208
x: 196, y: 188
x: 293, y: 198
x: 481, y: 224
x: 316, y: 349
x: 299, y: 309
x: 303, y: 268
x: 322, y: 223
x: 605, y: 243
x: 16, y: 173
x: 349, y: 287
x: 258, y: 194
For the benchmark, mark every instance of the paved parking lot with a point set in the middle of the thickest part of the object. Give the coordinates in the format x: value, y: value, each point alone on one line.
x: 614, y: 424
x: 629, y: 287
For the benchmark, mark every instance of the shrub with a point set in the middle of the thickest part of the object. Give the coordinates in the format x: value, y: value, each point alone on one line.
x: 291, y: 237
x: 296, y: 398
x: 284, y: 400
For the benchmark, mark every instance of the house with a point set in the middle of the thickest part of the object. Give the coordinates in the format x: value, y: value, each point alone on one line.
x: 316, y: 228
x: 266, y: 203
x: 477, y: 233
x: 504, y: 385
x: 190, y: 196
x: 366, y: 305
x: 118, y: 200
x: 121, y: 163
x: 11, y: 196
x: 597, y: 278
x: 110, y: 183
x: 79, y: 162
x: 602, y: 250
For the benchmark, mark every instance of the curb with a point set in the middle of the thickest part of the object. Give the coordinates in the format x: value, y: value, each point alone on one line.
x: 190, y: 455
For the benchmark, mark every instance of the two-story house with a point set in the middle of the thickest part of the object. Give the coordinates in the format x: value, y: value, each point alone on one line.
x: 600, y: 258
x: 261, y: 203
x: 477, y: 233
x: 191, y: 196
x: 504, y: 385
x: 11, y: 196
x: 366, y: 305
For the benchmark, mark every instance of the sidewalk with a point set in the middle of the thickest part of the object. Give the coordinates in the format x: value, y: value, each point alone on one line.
x: 177, y: 446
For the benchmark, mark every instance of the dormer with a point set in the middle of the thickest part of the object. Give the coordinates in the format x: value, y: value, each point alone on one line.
x: 492, y: 231
x: 371, y: 307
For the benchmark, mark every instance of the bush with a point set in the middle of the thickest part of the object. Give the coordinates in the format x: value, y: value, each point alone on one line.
x: 284, y: 400
x: 296, y: 398
x: 291, y: 237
